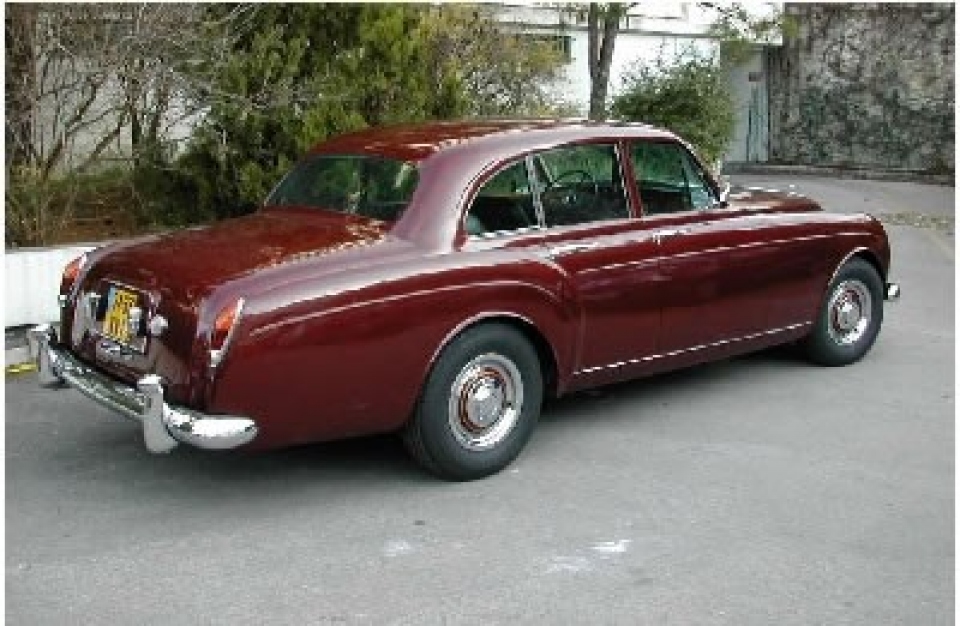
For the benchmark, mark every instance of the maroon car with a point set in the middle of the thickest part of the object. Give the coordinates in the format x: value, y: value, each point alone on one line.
x: 440, y: 280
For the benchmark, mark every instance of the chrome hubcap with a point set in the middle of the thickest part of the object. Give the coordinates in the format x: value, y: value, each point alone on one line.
x: 485, y: 401
x: 850, y: 309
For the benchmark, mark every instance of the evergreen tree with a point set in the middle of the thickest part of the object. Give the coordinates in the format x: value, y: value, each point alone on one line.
x: 298, y: 74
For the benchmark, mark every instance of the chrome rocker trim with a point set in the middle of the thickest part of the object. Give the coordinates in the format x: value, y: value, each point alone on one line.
x: 164, y: 425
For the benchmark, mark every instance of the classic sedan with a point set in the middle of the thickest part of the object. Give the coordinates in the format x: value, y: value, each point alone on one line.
x: 441, y: 280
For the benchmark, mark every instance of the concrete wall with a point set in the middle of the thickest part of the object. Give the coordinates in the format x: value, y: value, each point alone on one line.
x: 865, y: 85
x: 32, y: 283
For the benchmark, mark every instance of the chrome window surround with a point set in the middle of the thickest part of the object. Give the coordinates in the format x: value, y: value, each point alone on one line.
x: 536, y: 187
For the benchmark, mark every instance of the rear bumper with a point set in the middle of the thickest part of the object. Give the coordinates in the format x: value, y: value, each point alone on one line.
x: 164, y: 425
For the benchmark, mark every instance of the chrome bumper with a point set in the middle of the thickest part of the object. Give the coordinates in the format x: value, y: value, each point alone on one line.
x: 891, y: 292
x: 164, y: 426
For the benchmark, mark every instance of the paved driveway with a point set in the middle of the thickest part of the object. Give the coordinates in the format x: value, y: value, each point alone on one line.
x: 760, y: 490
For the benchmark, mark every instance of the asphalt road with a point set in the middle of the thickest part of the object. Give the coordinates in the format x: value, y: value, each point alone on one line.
x: 761, y: 490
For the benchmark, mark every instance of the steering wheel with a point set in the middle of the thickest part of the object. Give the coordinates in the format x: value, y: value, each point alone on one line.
x: 572, y: 197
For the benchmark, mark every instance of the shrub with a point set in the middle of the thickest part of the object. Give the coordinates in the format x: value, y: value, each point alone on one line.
x: 688, y: 96
x: 68, y: 207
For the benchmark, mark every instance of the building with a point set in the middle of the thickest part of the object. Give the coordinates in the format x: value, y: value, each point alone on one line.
x: 649, y: 30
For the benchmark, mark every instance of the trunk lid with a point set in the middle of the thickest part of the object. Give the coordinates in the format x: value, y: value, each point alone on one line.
x: 170, y: 274
x: 187, y: 264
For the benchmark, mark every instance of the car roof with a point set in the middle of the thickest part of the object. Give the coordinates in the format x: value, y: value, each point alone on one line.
x: 416, y: 142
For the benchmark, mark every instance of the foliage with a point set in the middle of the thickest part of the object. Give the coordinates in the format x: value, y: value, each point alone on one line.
x: 254, y: 85
x: 501, y: 73
x: 688, y: 96
x: 44, y: 210
x: 303, y: 73
x: 90, y: 86
x: 739, y: 31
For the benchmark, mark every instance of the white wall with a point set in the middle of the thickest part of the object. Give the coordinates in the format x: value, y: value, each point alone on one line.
x: 32, y: 283
x: 656, y: 28
x: 748, y: 83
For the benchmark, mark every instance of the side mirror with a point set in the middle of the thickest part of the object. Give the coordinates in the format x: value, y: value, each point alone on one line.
x: 723, y: 183
x: 724, y: 191
x: 723, y: 198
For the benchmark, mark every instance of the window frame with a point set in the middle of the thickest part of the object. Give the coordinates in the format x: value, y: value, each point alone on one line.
x: 486, y: 178
x: 537, y: 186
x: 314, y: 157
x: 698, y: 168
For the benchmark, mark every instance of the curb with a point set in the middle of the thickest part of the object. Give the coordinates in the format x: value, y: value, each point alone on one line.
x: 17, y: 360
x: 909, y: 176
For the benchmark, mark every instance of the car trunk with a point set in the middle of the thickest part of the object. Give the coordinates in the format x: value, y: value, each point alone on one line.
x: 172, y: 275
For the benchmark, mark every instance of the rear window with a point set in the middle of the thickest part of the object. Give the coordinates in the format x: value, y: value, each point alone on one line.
x: 360, y: 185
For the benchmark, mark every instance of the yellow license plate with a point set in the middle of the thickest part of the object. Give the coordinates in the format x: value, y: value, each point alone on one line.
x: 116, y: 324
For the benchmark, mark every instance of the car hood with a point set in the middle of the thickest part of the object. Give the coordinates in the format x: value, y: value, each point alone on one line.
x: 189, y: 263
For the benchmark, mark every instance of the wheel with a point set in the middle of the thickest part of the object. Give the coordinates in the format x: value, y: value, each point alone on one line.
x: 849, y: 317
x: 479, y: 405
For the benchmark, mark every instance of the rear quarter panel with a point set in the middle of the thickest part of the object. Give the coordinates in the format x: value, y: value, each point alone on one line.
x: 348, y: 355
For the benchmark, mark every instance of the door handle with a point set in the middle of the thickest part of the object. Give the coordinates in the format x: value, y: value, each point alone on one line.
x: 667, y: 233
x: 569, y: 248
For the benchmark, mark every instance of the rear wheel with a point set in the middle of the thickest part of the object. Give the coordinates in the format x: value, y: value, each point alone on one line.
x: 850, y: 316
x: 479, y: 405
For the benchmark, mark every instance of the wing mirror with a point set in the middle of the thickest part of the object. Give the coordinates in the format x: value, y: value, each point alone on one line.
x: 724, y: 191
x: 722, y: 182
x: 723, y: 199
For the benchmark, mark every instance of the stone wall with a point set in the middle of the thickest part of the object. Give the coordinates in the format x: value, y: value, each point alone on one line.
x: 864, y: 85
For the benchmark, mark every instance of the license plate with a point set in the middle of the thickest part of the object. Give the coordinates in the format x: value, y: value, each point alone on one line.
x: 116, y: 323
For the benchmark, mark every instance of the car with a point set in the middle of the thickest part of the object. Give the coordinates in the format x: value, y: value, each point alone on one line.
x: 441, y: 280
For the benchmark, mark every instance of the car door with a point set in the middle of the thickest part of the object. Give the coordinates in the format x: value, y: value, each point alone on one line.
x: 608, y: 258
x: 716, y: 268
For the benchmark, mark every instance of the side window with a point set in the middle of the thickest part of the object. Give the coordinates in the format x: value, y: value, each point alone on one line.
x: 668, y: 178
x: 581, y: 184
x: 504, y: 203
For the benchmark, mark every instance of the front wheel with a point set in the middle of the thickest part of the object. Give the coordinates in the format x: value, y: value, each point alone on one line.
x: 479, y: 405
x: 850, y: 316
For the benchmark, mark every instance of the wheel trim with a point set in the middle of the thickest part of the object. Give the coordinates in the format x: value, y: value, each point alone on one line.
x: 486, y: 399
x: 850, y: 311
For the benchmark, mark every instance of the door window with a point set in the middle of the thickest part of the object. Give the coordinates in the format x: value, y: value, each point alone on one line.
x: 503, y: 204
x: 669, y: 179
x: 580, y: 184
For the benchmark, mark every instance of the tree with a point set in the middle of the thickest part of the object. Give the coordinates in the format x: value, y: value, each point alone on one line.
x: 20, y: 32
x: 735, y: 27
x: 739, y: 31
x: 301, y: 73
x: 500, y: 72
x: 92, y: 87
x: 688, y: 95
x: 603, y: 25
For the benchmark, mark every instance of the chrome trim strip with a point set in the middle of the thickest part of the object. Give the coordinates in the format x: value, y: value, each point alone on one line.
x: 164, y: 425
x: 656, y: 357
x: 569, y: 248
x: 496, y: 234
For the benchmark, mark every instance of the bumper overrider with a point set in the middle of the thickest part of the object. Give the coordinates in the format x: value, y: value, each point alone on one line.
x: 164, y: 425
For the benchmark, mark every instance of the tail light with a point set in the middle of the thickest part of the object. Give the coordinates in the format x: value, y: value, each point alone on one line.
x: 222, y: 333
x: 71, y: 272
